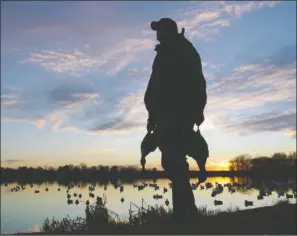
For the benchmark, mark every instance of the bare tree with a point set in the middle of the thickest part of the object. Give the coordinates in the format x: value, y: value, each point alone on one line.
x: 240, y: 163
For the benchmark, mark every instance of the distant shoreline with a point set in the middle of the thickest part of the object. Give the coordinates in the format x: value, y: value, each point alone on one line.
x: 280, y: 166
x: 52, y: 176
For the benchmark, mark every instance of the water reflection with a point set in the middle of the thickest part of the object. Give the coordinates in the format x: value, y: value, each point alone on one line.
x: 25, y: 206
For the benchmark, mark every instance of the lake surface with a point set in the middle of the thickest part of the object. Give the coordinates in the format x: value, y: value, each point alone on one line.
x: 25, y: 210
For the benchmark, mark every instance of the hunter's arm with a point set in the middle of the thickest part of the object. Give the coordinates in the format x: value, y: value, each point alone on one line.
x: 150, y: 96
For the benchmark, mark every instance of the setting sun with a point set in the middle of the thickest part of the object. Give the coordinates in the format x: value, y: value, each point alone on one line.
x: 223, y: 165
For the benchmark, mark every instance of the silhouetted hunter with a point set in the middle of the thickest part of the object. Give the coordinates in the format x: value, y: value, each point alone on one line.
x: 175, y: 99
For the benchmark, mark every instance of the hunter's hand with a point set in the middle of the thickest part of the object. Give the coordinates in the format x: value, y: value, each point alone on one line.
x: 150, y: 127
x: 199, y: 120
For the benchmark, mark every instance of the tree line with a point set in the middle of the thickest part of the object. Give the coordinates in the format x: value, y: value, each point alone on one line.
x: 277, y: 165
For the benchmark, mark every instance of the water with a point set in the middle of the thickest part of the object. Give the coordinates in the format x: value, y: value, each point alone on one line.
x: 25, y: 211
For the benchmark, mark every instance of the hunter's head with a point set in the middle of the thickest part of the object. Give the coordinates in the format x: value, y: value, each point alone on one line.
x: 166, y: 29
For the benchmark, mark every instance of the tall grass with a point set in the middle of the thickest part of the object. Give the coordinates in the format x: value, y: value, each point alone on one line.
x: 99, y: 219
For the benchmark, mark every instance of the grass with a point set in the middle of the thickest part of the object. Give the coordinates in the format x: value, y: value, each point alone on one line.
x: 277, y: 219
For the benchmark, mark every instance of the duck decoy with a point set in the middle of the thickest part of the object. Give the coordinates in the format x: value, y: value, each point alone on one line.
x: 69, y: 201
x: 288, y: 196
x: 248, y: 203
x: 217, y: 202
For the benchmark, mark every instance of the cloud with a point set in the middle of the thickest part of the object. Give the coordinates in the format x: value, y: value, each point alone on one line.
x: 248, y: 100
x: 131, y: 116
x: 98, y: 151
x: 11, y: 161
x: 120, y: 49
x: 9, y: 97
x: 206, y: 19
x: 278, y: 122
x: 75, y: 62
x: 244, y: 99
x: 56, y: 108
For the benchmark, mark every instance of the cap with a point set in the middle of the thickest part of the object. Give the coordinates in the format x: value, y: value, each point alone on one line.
x: 165, y: 24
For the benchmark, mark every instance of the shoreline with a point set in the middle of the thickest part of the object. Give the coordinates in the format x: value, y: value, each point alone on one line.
x: 276, y: 219
x: 138, y: 175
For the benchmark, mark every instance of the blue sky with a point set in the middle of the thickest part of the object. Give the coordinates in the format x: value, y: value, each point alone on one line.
x: 73, y: 77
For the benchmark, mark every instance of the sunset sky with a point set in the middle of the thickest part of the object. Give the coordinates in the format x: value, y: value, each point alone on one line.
x: 73, y: 77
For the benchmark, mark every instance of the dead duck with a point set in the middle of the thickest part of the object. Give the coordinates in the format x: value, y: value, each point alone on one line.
x: 248, y: 203
x: 122, y: 199
x: 218, y: 203
x: 166, y: 202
